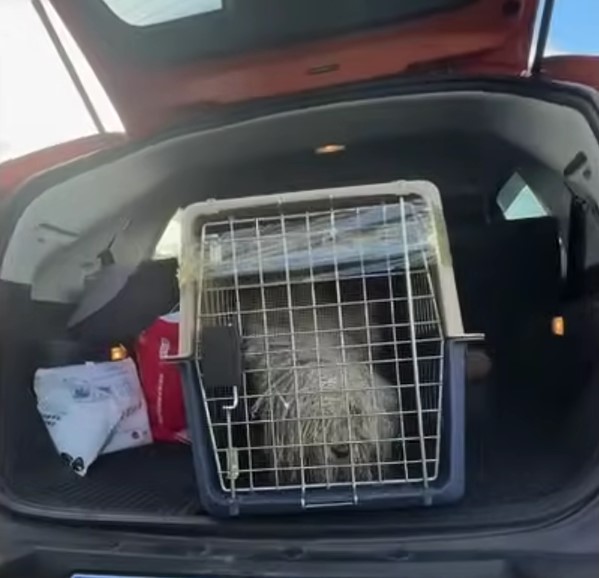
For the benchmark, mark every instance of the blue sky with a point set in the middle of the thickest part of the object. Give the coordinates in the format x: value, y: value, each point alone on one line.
x: 575, y: 27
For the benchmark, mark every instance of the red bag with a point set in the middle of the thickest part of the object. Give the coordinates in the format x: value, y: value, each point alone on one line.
x: 161, y: 381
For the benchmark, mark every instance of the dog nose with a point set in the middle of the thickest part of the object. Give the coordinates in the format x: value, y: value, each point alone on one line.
x: 340, y: 450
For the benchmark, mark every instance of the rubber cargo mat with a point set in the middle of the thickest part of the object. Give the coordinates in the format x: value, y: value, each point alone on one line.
x: 156, y: 480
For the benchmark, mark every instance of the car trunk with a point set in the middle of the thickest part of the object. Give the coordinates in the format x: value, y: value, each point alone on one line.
x: 529, y: 428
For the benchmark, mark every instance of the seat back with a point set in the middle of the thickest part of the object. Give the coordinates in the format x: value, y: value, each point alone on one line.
x: 508, y: 274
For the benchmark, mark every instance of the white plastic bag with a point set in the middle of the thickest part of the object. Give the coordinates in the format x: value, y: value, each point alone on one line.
x: 92, y: 409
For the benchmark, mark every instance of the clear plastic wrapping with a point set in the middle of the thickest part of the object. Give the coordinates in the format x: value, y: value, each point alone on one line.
x: 312, y: 245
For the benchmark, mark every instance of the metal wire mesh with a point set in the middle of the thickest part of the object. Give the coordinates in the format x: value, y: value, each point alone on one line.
x: 342, y: 347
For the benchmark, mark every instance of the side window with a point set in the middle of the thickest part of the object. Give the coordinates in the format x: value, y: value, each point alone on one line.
x: 169, y: 245
x: 518, y: 201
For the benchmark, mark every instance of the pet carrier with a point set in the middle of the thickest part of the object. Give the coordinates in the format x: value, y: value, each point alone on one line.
x: 324, y: 350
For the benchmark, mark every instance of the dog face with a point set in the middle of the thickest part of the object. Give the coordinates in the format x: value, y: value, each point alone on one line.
x: 328, y: 425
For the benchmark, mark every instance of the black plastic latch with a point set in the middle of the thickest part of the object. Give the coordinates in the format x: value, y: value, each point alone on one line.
x: 221, y: 357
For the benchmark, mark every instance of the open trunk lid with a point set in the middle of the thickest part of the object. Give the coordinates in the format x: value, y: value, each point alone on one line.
x: 160, y: 61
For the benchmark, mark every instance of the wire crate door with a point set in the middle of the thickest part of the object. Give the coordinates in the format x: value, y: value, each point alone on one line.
x: 342, y: 344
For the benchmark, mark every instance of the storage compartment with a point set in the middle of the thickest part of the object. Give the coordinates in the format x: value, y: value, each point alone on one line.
x: 530, y: 437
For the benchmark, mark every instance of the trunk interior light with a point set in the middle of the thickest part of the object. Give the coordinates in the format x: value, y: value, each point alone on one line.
x: 330, y: 148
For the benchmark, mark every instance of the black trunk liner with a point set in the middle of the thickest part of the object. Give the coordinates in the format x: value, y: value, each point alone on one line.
x: 154, y: 480
x: 512, y: 456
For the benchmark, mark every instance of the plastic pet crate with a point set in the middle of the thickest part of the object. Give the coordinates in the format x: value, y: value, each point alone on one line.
x: 323, y: 351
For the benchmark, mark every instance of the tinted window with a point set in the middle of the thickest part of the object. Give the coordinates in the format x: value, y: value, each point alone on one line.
x: 145, y: 12
x: 169, y: 244
x: 518, y: 201
x: 181, y: 29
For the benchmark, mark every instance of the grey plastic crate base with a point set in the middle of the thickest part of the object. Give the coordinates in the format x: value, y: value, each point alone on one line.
x: 448, y: 488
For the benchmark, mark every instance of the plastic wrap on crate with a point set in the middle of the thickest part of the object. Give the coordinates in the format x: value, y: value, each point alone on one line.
x: 358, y: 241
x: 321, y: 240
x: 371, y: 235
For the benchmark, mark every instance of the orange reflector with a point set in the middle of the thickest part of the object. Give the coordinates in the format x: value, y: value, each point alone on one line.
x: 118, y: 353
x: 558, y: 326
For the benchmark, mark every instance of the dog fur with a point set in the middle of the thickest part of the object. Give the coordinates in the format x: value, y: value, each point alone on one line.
x: 320, y: 403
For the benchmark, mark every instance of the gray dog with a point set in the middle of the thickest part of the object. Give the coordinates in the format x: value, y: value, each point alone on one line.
x: 316, y: 395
